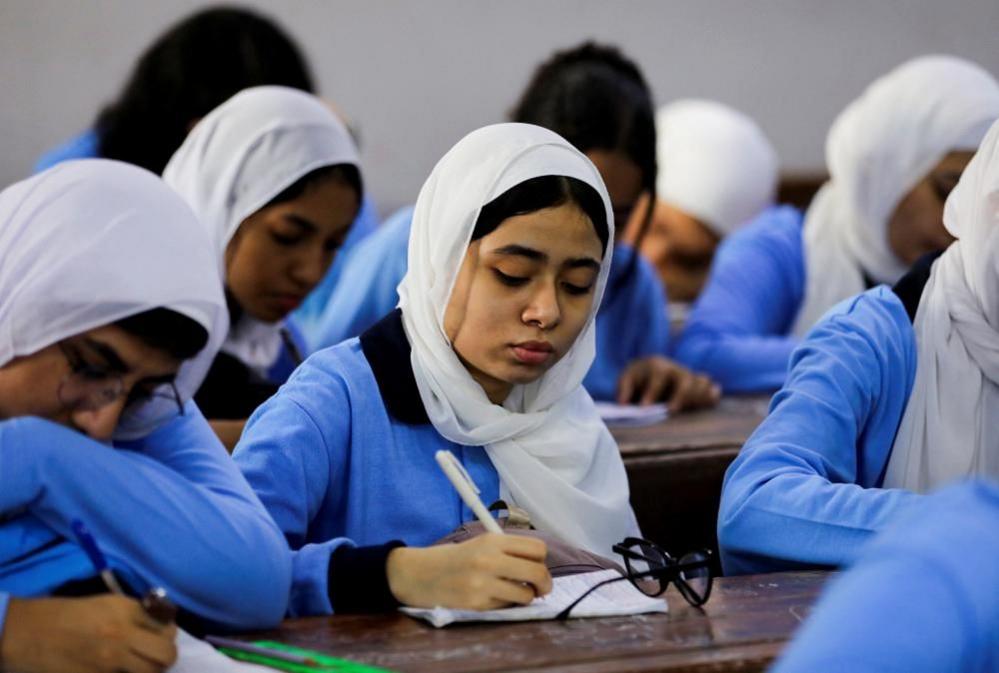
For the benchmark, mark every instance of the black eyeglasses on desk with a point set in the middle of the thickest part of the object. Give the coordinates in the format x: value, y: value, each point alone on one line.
x: 651, y: 569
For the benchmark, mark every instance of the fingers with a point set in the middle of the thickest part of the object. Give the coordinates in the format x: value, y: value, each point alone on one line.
x: 664, y: 376
x: 628, y: 382
x: 136, y: 663
x: 507, y: 593
x: 158, y: 650
x: 681, y: 396
x: 526, y: 572
x: 530, y: 548
x: 140, y: 617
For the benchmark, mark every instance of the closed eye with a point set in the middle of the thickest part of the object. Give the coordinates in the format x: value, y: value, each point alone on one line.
x: 572, y: 288
x: 511, y: 281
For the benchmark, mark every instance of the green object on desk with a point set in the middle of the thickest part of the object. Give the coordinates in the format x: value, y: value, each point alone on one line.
x: 326, y: 664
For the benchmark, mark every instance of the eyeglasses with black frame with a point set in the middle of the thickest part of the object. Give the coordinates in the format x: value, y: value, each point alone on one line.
x: 651, y: 569
x: 88, y: 387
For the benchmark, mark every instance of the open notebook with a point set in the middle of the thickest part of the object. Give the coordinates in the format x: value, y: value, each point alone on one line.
x: 617, y: 598
x: 197, y: 656
x: 631, y: 414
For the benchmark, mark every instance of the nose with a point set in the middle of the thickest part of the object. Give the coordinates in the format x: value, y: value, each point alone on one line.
x: 543, y: 308
x: 99, y: 423
x: 309, y: 270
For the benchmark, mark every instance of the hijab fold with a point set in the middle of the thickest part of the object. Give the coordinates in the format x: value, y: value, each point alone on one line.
x: 90, y: 242
x: 877, y: 150
x: 950, y: 428
x: 555, y: 457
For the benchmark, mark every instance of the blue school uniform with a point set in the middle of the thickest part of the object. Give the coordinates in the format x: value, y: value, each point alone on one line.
x: 343, y: 459
x: 632, y: 321
x: 738, y: 330
x: 168, y: 510
x: 806, y: 488
x: 921, y: 599
x: 86, y: 145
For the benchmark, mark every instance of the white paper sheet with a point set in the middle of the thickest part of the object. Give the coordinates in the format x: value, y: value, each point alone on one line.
x: 631, y: 414
x: 617, y: 598
x: 197, y: 656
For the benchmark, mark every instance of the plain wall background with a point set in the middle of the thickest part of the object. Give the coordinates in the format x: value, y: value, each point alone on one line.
x: 416, y: 76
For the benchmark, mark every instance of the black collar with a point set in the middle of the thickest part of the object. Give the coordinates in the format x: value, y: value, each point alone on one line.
x: 909, y: 288
x: 387, y: 350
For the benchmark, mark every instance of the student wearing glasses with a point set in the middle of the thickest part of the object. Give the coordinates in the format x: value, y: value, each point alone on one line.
x: 893, y: 156
x: 102, y: 346
x: 274, y: 176
x: 894, y: 393
x: 509, y: 256
x: 598, y: 100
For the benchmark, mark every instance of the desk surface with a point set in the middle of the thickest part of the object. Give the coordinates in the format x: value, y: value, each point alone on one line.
x: 726, y: 427
x: 742, y: 628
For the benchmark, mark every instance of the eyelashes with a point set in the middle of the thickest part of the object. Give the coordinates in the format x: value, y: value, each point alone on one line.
x: 519, y: 281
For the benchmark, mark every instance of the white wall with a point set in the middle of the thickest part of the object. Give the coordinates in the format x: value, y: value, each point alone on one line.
x: 418, y: 75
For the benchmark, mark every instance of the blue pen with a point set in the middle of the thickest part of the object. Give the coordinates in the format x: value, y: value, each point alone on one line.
x: 93, y: 552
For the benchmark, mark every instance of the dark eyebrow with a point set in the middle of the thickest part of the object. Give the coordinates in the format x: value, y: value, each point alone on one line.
x: 520, y: 250
x: 583, y: 263
x: 110, y: 355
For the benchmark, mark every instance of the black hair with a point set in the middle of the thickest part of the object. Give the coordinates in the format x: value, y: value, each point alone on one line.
x: 176, y: 335
x: 596, y: 98
x: 347, y: 174
x: 547, y: 191
x: 187, y: 72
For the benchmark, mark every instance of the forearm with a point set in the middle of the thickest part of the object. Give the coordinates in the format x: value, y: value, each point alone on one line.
x: 195, y: 539
x: 739, y: 363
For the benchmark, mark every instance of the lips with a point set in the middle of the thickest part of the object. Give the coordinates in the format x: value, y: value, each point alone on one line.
x: 533, y: 352
x: 288, y: 302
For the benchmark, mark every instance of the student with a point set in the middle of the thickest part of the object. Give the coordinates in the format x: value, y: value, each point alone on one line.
x: 893, y: 155
x: 187, y: 72
x: 111, y: 309
x: 920, y: 599
x: 274, y: 175
x: 508, y: 258
x: 598, y: 100
x: 893, y: 393
x: 717, y: 171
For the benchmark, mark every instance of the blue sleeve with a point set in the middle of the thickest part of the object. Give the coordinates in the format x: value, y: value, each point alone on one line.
x: 294, y: 466
x: 86, y: 145
x: 921, y: 599
x: 737, y: 331
x: 171, y: 508
x: 367, y: 288
x: 801, y: 493
x: 286, y: 362
x: 4, y: 603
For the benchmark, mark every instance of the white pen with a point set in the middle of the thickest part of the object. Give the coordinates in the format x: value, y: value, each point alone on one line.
x: 466, y: 488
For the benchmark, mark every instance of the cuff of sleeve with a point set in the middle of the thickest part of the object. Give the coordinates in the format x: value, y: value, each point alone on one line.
x: 4, y: 601
x: 357, y: 580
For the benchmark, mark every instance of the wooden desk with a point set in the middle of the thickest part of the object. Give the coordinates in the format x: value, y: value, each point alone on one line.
x: 675, y: 469
x: 743, y: 627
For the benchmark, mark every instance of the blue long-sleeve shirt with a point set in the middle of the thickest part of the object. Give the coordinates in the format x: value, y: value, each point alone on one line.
x: 84, y: 145
x: 169, y: 510
x: 921, y: 599
x: 343, y: 455
x: 632, y: 321
x: 806, y: 488
x: 738, y: 330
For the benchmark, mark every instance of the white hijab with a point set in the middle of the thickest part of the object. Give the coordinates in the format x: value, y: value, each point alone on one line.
x: 951, y: 424
x: 90, y: 242
x: 877, y: 150
x: 239, y: 157
x: 554, y: 455
x: 715, y: 164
